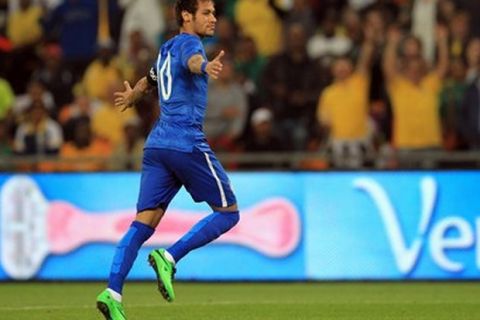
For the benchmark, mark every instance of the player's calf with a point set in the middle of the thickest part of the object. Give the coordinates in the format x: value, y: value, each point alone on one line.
x: 205, y: 231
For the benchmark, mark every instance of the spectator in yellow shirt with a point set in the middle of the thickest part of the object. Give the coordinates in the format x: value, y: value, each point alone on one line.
x: 258, y: 20
x: 102, y: 73
x: 414, y: 94
x: 23, y: 26
x: 343, y: 108
x: 24, y: 32
x: 108, y: 122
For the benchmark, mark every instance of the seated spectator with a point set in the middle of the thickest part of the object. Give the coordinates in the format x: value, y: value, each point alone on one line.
x: 108, y: 122
x: 82, y: 106
x: 77, y: 25
x: 46, y: 4
x: 102, y: 73
x: 24, y: 33
x: 227, y: 110
x: 128, y: 153
x: 38, y: 134
x: 451, y: 98
x: 249, y: 64
x: 136, y: 60
x: 473, y: 9
x: 7, y: 99
x: 329, y: 42
x: 54, y: 75
x: 36, y: 93
x: 6, y: 148
x: 446, y: 10
x: 262, y: 136
x: 24, y: 27
x: 459, y: 32
x: 469, y: 124
x: 291, y: 87
x: 300, y: 12
x: 352, y: 22
x: 472, y: 54
x: 258, y: 20
x: 225, y: 38
x: 3, y: 18
x: 85, y: 152
x: 137, y: 13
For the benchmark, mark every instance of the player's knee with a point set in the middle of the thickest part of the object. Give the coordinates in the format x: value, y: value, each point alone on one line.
x: 230, y: 209
x: 233, y: 218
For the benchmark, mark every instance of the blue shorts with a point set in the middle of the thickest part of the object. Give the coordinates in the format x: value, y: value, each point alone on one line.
x: 165, y: 171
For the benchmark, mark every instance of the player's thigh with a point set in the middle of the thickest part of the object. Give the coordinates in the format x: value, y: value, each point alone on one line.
x: 158, y: 183
x: 206, y: 180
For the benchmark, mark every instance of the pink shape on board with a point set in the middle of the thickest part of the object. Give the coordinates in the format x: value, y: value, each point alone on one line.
x: 271, y: 227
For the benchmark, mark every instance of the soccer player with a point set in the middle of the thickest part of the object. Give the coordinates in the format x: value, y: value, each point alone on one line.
x: 176, y: 154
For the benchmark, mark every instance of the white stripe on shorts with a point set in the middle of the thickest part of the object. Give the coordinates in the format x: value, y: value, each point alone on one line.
x: 219, y: 183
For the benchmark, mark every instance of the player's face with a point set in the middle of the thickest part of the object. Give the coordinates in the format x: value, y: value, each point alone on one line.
x: 204, y: 19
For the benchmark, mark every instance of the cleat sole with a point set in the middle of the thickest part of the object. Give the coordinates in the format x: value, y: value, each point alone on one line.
x: 102, y: 307
x: 161, y: 286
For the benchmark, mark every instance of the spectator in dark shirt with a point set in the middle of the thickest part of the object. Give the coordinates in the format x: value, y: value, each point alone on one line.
x: 290, y: 81
x: 262, y: 137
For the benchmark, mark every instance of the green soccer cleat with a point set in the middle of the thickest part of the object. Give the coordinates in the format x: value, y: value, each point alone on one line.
x: 109, y: 307
x: 165, y: 271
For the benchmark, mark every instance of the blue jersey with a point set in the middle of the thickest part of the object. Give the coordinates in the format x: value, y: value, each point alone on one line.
x: 182, y: 96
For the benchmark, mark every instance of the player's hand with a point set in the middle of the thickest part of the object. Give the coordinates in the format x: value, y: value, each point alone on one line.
x: 215, y: 66
x: 123, y: 99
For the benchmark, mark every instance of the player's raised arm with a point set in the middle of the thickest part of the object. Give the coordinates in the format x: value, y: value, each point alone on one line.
x: 390, y: 55
x: 198, y: 65
x: 127, y: 98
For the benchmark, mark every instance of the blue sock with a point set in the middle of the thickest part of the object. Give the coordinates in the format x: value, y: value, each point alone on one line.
x: 205, y: 231
x: 126, y: 253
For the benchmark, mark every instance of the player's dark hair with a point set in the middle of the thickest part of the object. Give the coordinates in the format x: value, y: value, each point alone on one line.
x: 190, y: 6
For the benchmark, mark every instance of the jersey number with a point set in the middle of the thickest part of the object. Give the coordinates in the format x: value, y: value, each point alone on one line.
x: 166, y: 78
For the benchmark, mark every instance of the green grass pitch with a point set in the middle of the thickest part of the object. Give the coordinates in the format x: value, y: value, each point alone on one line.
x: 275, y: 301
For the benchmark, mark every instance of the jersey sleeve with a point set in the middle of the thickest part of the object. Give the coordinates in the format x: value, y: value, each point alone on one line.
x: 152, y: 76
x: 189, y: 48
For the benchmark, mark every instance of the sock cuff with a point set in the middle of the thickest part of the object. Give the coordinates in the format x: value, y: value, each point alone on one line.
x: 142, y: 227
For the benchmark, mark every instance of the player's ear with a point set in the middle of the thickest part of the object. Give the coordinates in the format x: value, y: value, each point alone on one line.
x: 187, y: 16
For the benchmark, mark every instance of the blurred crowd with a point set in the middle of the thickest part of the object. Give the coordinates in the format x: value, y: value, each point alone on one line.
x: 356, y: 80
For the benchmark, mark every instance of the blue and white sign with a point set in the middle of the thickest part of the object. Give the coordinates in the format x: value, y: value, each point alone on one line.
x: 392, y: 225
x: 294, y: 226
